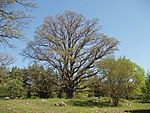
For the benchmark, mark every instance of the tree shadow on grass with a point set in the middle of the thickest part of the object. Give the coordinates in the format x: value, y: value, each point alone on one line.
x: 144, y: 102
x: 88, y: 103
x: 138, y: 111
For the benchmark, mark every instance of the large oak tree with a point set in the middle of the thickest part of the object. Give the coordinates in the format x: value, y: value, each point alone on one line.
x: 70, y: 44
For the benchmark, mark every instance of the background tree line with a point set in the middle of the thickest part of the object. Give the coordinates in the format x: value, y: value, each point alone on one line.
x: 119, y: 81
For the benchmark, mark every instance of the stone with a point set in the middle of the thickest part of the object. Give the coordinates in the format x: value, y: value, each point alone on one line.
x: 60, y: 104
x: 7, y: 98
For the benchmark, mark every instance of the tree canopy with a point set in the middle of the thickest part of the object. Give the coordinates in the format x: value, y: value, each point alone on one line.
x: 121, y: 78
x: 70, y: 44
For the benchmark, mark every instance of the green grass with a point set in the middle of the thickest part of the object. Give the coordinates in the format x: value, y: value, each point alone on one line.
x: 73, y: 106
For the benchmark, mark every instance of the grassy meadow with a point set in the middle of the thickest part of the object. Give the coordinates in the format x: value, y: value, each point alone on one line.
x: 73, y: 106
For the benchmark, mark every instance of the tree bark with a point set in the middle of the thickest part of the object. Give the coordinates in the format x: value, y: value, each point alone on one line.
x: 115, y: 101
x: 70, y: 93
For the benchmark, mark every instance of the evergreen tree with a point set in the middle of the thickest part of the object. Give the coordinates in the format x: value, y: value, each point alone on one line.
x: 12, y: 84
x: 39, y: 82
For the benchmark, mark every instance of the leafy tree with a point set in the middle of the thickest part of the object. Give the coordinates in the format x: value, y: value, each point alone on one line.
x: 122, y: 78
x: 39, y: 82
x: 13, y: 20
x: 147, y: 87
x: 71, y: 45
x: 3, y: 77
x: 95, y: 86
x: 12, y: 84
x: 15, y: 83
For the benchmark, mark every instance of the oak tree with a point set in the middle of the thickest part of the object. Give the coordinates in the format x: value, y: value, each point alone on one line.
x: 70, y: 44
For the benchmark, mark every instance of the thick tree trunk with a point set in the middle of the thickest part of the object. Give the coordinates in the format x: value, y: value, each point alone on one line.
x: 70, y: 90
x: 115, y: 101
x: 70, y: 93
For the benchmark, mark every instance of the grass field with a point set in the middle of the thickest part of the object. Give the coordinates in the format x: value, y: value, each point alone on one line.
x: 73, y: 106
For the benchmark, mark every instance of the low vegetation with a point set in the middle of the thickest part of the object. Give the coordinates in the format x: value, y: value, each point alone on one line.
x: 72, y: 106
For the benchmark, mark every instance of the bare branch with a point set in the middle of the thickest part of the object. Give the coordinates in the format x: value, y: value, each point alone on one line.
x: 13, y: 20
x: 6, y: 60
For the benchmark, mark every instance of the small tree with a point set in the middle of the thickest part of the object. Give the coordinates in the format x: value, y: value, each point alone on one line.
x: 95, y: 86
x: 122, y: 78
x: 71, y: 45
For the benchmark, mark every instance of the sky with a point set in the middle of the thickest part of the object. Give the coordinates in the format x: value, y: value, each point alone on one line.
x: 126, y: 20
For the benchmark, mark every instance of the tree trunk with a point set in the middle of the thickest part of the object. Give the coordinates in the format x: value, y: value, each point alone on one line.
x: 70, y: 93
x: 70, y: 89
x: 115, y: 101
